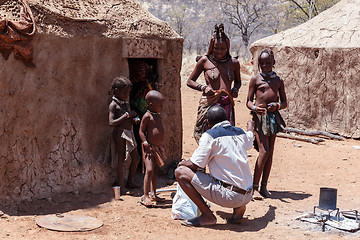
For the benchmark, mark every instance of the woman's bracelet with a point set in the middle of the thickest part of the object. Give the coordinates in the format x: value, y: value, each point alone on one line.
x: 146, y: 144
x: 279, y: 106
x: 127, y: 114
x: 273, y: 105
x: 235, y: 89
x: 201, y: 87
x: 253, y: 108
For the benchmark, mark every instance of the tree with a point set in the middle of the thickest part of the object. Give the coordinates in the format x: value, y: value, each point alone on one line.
x: 245, y: 15
x: 284, y: 14
x: 178, y: 18
x: 274, y: 18
x: 307, y: 9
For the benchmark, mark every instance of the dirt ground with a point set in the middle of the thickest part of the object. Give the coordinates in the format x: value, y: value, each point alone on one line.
x: 299, y: 170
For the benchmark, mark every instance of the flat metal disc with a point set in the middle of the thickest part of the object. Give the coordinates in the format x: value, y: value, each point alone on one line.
x: 68, y: 222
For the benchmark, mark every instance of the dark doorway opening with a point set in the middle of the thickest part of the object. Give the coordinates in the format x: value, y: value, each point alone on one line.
x: 143, y: 73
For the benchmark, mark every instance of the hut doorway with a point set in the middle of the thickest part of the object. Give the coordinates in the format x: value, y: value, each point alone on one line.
x: 144, y: 76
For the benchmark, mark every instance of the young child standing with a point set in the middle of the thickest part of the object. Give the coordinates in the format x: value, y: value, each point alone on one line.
x: 152, y: 136
x: 123, y: 140
x: 266, y: 87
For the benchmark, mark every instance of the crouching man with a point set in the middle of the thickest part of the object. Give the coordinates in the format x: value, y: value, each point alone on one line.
x: 229, y: 184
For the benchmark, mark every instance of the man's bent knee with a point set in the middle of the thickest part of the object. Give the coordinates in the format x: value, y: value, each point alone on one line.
x: 179, y: 171
x: 183, y: 173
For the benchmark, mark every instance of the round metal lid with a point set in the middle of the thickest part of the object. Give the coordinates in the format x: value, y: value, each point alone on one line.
x: 68, y: 222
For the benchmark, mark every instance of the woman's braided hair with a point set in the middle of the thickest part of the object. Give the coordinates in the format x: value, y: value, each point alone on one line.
x: 220, y: 35
x: 219, y: 32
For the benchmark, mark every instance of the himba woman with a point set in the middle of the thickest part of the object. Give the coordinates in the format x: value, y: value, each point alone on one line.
x: 220, y: 71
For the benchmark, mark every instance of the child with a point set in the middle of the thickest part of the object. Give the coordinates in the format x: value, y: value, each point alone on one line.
x: 124, y: 144
x: 152, y: 135
x: 266, y: 87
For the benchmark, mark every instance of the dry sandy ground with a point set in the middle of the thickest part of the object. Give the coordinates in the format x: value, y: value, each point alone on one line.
x: 295, y: 181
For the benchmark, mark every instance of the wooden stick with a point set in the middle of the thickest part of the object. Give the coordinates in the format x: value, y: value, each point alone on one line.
x: 311, y: 140
x: 313, y: 133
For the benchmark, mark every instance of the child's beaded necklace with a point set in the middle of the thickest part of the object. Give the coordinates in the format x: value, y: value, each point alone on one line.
x: 271, y: 74
x: 153, y: 113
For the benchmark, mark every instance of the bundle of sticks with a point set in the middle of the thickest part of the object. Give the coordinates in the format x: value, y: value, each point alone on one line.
x: 289, y: 133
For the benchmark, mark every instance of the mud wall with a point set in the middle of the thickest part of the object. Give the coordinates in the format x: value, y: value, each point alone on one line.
x: 322, y: 87
x: 54, y: 116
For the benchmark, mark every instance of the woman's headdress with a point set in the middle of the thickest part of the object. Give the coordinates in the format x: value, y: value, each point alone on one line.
x: 220, y: 35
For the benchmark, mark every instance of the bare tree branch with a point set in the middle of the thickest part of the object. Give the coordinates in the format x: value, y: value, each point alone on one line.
x: 300, y: 7
x: 244, y: 14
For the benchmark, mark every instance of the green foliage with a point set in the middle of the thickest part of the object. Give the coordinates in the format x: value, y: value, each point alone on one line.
x: 284, y: 14
x: 299, y: 11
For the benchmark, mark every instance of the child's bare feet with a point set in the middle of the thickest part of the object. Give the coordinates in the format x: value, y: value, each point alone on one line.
x: 157, y: 199
x: 264, y: 192
x: 146, y: 201
x: 257, y: 196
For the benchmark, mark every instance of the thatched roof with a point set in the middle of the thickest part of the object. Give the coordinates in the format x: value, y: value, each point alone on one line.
x: 337, y: 27
x: 108, y: 18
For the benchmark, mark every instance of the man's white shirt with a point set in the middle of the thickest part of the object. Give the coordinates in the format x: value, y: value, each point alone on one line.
x: 223, y: 149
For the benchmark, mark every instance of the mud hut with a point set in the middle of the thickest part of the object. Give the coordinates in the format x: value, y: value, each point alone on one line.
x: 319, y: 61
x: 54, y: 111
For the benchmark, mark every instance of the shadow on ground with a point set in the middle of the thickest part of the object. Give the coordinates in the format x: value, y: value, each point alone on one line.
x: 61, y: 202
x: 248, y: 225
x: 283, y: 195
x: 76, y: 199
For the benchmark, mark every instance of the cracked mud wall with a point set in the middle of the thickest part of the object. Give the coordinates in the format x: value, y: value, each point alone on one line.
x: 322, y: 87
x: 54, y: 116
x: 169, y: 86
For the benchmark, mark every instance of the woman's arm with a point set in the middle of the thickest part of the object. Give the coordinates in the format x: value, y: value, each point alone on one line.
x: 191, y: 82
x: 273, y: 106
x: 282, y: 94
x: 251, y: 94
x: 250, y: 98
x: 237, y: 80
